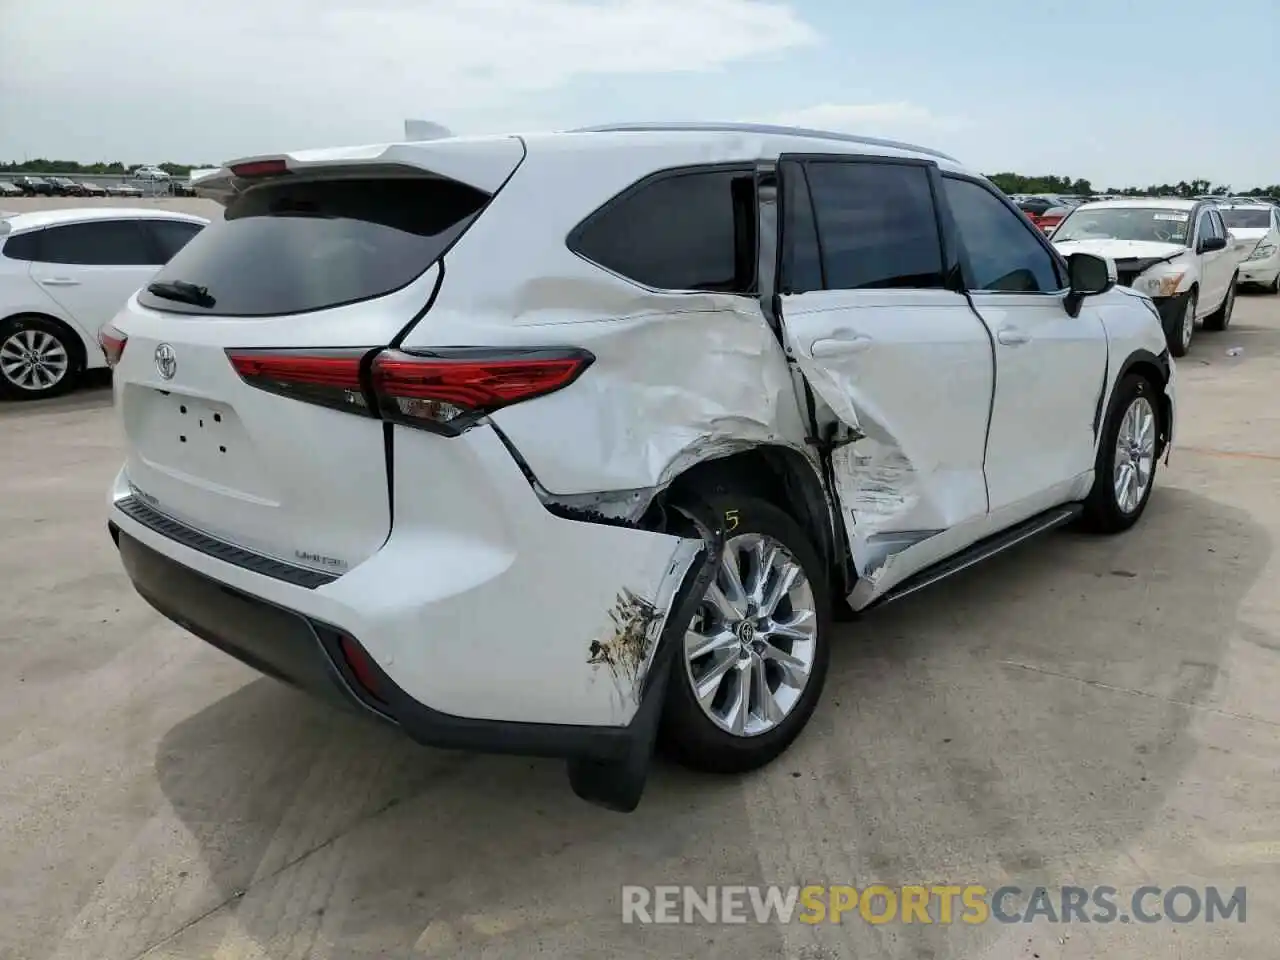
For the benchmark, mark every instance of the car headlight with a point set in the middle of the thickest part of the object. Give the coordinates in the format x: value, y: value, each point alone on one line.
x: 1262, y: 251
x: 1159, y: 284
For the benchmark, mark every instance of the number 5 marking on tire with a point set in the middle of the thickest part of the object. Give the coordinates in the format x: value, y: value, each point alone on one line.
x: 731, y: 521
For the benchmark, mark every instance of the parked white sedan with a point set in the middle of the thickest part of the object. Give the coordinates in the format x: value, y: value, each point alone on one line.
x: 1258, y: 225
x: 1177, y: 252
x: 65, y: 273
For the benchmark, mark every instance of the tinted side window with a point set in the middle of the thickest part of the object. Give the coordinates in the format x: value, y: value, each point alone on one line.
x: 683, y: 231
x: 801, y: 259
x: 1205, y: 229
x: 1003, y: 253
x: 876, y: 225
x: 24, y: 246
x: 100, y: 243
x: 1219, y: 225
x: 170, y: 236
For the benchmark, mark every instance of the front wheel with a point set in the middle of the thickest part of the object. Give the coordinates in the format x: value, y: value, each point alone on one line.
x: 1180, y: 334
x: 1125, y: 468
x: 754, y: 656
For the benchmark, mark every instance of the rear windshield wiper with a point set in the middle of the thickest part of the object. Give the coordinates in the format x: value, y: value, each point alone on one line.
x: 183, y: 292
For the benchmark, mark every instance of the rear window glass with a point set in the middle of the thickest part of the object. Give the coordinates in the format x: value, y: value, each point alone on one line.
x: 294, y: 247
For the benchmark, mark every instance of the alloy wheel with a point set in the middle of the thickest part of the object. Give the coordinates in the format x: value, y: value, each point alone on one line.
x: 34, y: 360
x: 1188, y: 322
x: 750, y: 650
x: 1135, y: 455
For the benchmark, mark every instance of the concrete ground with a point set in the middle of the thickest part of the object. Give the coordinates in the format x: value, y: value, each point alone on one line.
x: 1087, y: 711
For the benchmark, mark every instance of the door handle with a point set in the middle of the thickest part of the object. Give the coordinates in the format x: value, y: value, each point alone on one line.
x: 841, y: 344
x: 59, y: 282
x: 1012, y: 336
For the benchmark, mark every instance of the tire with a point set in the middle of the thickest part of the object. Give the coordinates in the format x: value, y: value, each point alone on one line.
x: 1104, y: 511
x: 1274, y: 286
x: 21, y: 335
x: 1220, y: 319
x: 1179, y: 336
x: 688, y: 733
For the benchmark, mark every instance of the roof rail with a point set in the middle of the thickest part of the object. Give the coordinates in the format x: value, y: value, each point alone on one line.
x: 765, y: 128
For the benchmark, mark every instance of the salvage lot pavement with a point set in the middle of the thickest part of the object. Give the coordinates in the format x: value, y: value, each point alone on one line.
x: 1087, y: 711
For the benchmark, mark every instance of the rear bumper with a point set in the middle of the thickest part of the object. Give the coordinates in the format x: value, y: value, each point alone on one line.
x: 307, y: 654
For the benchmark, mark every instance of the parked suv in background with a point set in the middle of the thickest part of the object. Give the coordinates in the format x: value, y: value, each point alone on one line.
x: 34, y: 186
x: 63, y: 274
x: 1177, y: 252
x: 557, y: 444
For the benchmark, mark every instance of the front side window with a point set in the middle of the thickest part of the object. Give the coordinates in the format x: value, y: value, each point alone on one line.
x: 1003, y: 253
x: 685, y: 230
x: 876, y: 225
x: 109, y: 243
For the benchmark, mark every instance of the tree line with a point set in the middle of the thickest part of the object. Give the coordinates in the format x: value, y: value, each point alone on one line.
x: 1017, y: 183
x: 1008, y: 182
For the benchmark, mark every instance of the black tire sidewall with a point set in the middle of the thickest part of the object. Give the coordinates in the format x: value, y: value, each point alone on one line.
x: 687, y: 734
x: 1101, y: 508
x: 1173, y: 336
x: 10, y: 391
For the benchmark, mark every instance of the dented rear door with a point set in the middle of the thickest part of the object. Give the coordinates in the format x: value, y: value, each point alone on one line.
x: 900, y: 361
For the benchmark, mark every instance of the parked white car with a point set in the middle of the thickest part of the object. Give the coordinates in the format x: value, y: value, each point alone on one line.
x: 557, y: 444
x: 150, y: 173
x: 63, y: 274
x: 1177, y: 252
x: 1258, y: 226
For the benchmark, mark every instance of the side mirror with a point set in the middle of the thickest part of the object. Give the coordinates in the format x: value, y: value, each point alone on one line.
x: 1210, y: 244
x: 1088, y: 275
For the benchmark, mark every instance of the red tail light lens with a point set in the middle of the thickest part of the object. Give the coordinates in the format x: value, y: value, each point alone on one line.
x: 112, y: 342
x: 361, y: 667
x: 451, y: 386
x: 260, y: 168
x: 330, y: 378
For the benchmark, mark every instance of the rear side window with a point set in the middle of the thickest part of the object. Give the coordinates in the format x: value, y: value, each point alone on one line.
x: 170, y: 236
x: 876, y: 225
x: 22, y: 246
x: 294, y: 247
x: 691, y: 230
x: 102, y: 243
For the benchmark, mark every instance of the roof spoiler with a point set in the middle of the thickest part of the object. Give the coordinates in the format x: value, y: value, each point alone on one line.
x: 483, y: 162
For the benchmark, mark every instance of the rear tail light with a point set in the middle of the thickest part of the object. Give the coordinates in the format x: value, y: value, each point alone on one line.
x: 112, y: 342
x: 446, y: 390
x: 330, y: 378
x: 361, y: 667
x: 453, y: 386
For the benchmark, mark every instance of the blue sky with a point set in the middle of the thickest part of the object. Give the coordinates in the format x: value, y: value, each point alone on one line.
x: 1121, y: 93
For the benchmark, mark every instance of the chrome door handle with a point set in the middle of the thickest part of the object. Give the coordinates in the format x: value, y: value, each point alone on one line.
x: 841, y: 345
x: 59, y: 282
x: 1012, y: 336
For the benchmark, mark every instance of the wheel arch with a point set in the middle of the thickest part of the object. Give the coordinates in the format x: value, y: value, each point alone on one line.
x: 779, y: 474
x: 1156, y: 370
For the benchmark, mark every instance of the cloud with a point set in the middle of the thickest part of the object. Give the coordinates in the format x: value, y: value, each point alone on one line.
x: 872, y: 119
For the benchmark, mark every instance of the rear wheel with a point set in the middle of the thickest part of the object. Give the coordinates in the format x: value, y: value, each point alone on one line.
x: 1125, y: 469
x: 37, y: 358
x: 754, y: 656
x: 1220, y: 319
x: 1274, y: 286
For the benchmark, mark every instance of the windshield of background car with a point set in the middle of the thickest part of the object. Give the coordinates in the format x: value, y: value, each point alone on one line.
x: 1247, y: 217
x: 1125, y: 223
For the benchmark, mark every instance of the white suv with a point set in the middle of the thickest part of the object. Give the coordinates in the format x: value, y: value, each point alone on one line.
x: 561, y: 444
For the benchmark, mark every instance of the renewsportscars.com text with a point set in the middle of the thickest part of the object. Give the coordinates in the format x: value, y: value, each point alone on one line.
x: 942, y: 904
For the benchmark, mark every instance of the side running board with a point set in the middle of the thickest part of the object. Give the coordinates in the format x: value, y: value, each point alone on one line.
x: 1040, y: 523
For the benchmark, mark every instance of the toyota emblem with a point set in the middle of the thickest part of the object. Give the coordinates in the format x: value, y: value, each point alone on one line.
x: 166, y: 361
